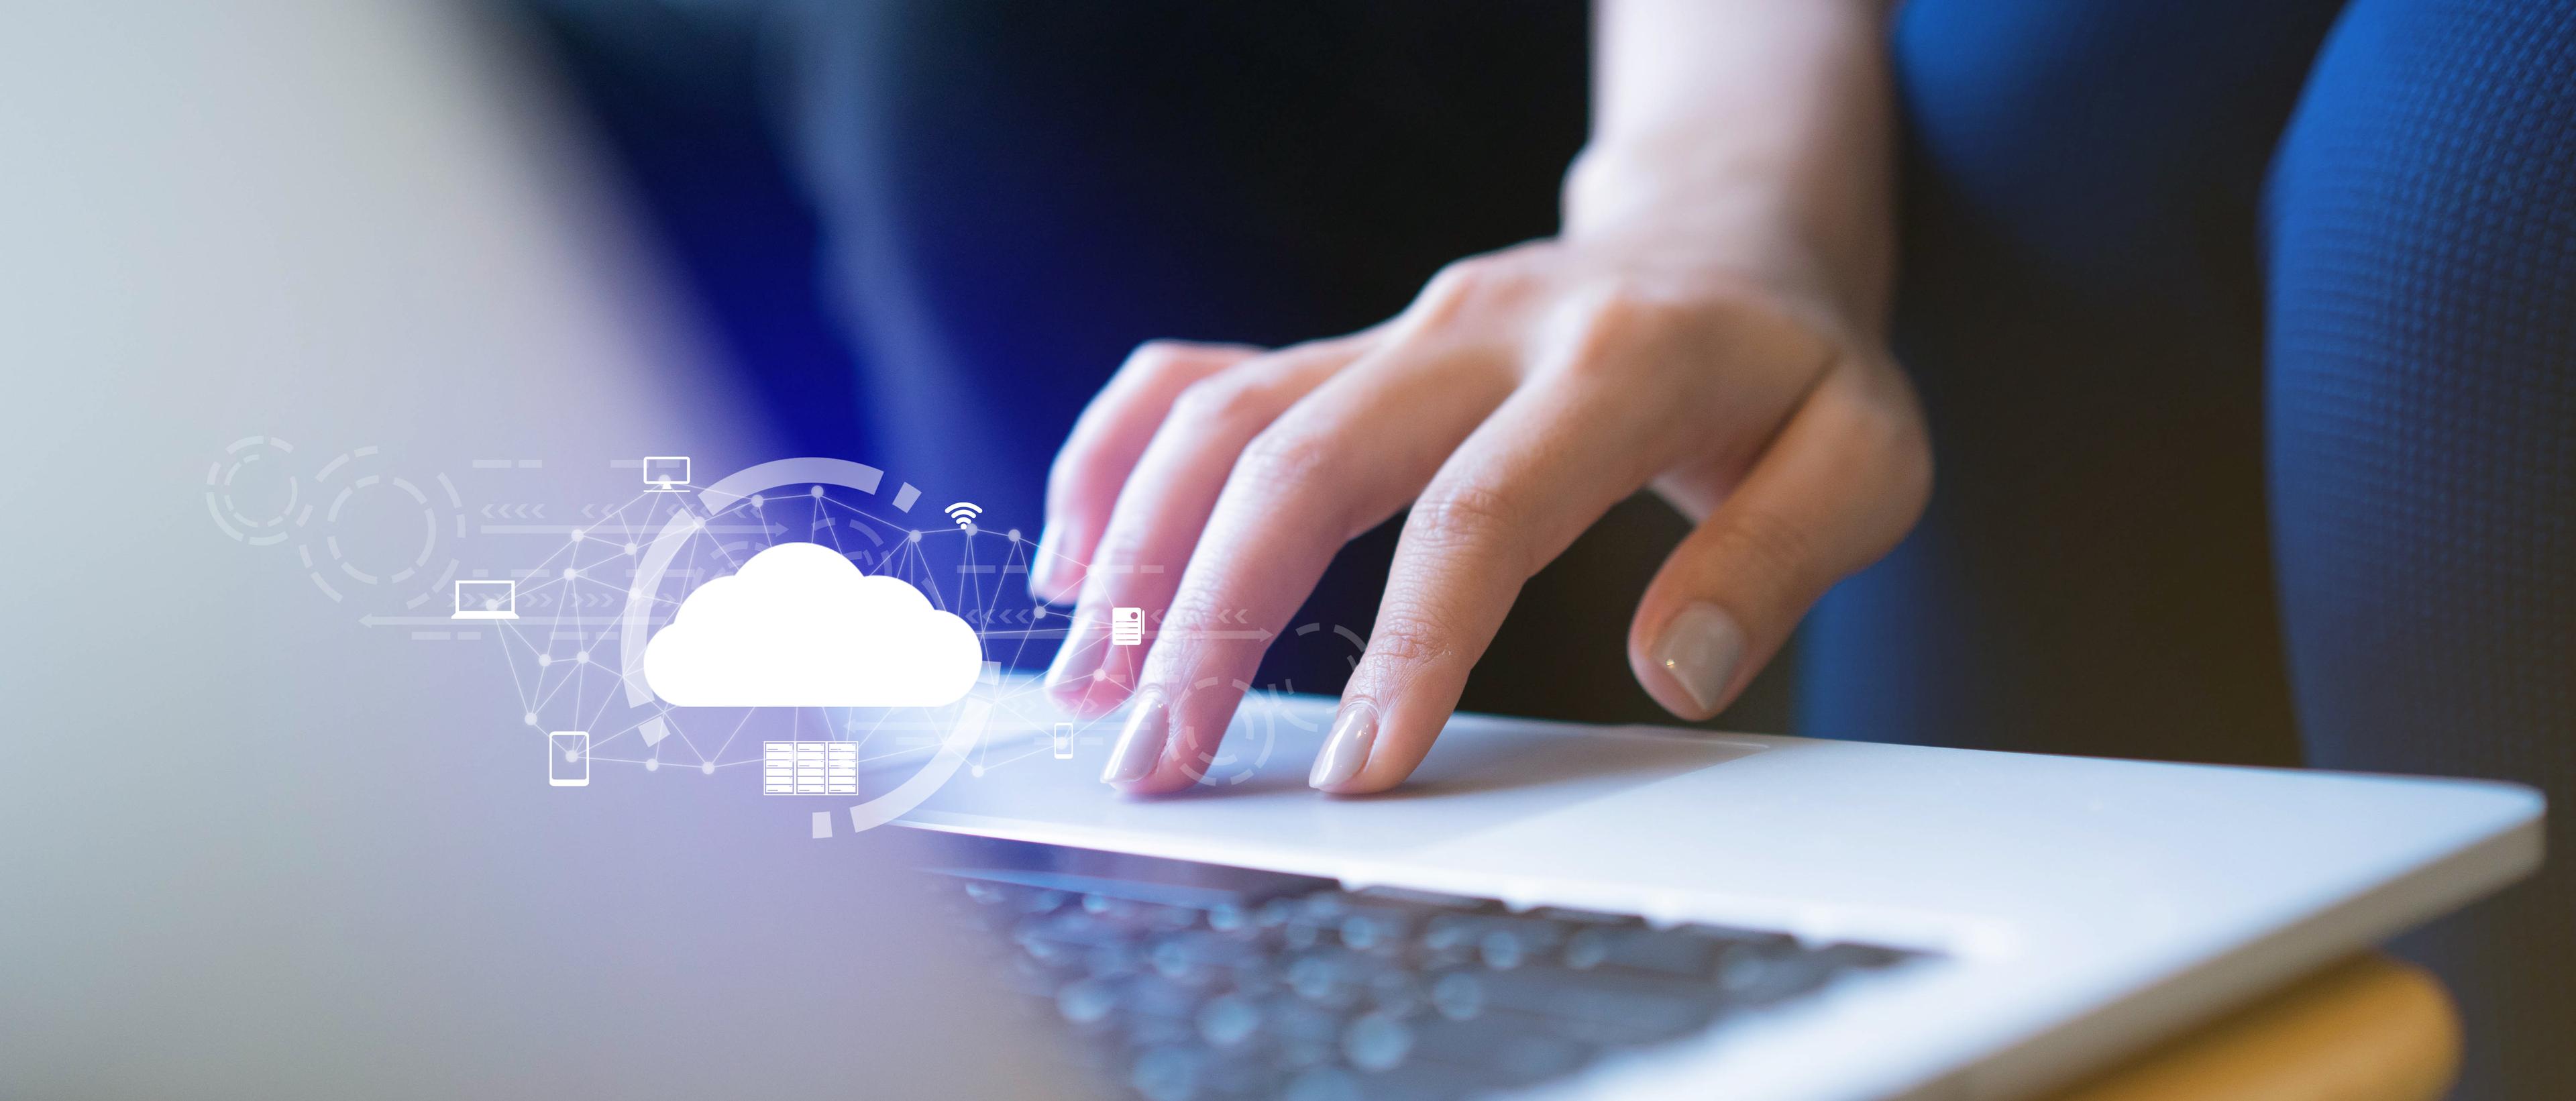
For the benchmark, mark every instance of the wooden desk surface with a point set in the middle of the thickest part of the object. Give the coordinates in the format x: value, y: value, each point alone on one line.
x: 2367, y: 1029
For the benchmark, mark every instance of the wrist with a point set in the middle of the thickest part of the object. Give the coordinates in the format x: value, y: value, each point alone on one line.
x: 1667, y: 187
x: 1803, y: 227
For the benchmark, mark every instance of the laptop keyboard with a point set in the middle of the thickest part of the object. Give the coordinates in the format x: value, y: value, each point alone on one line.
x: 1188, y: 981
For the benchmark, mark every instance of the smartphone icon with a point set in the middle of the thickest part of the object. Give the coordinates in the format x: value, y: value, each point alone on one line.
x: 1064, y: 741
x: 568, y: 759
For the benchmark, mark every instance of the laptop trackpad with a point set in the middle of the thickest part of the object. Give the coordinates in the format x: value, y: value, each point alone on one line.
x: 1485, y: 771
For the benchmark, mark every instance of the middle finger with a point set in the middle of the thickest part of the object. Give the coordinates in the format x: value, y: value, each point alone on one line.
x: 1163, y: 505
x: 1338, y: 463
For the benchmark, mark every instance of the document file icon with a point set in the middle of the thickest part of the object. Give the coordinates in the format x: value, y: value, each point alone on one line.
x: 809, y: 768
x: 1126, y: 626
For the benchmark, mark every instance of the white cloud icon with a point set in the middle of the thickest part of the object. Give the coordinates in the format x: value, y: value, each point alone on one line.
x: 799, y: 626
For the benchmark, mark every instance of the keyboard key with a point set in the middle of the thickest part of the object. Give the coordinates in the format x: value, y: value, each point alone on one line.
x: 1458, y: 996
x: 1587, y: 948
x: 1323, y: 1084
x: 1376, y: 1041
x: 1603, y: 1008
x: 1229, y: 1021
x: 1084, y: 1001
x: 1662, y: 951
x: 1397, y: 992
x: 1498, y: 1051
x: 1326, y: 977
x: 1756, y: 977
x: 1169, y: 1073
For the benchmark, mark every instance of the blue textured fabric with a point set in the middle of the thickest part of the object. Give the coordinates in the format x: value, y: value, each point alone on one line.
x: 2422, y: 415
x: 2079, y: 305
x: 2223, y: 480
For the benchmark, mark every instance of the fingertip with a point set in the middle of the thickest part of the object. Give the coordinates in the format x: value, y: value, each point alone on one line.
x: 1661, y: 689
x: 1155, y: 747
x: 1194, y: 719
x: 1141, y: 742
x: 1161, y: 782
x: 1390, y: 738
x: 1169, y: 776
x: 1345, y: 753
x: 1157, y: 782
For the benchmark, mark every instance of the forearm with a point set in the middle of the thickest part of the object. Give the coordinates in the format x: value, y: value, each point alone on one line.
x: 1723, y: 118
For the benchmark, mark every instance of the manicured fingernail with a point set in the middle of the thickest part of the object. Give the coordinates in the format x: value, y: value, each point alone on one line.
x: 1346, y: 749
x: 1049, y: 570
x: 1701, y: 648
x: 1141, y: 744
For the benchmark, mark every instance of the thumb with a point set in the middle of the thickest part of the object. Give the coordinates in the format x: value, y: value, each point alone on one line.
x: 1844, y: 480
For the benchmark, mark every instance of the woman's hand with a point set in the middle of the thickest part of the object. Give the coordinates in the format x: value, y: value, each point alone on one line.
x: 1707, y: 326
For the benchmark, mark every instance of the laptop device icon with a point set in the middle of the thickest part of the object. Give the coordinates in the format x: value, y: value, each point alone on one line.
x: 666, y: 473
x: 487, y: 600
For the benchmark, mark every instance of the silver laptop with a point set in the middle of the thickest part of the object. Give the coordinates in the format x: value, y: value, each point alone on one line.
x: 267, y: 834
x: 1555, y: 910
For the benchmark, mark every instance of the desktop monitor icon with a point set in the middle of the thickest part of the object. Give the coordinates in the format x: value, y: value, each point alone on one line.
x: 666, y: 473
x: 487, y: 600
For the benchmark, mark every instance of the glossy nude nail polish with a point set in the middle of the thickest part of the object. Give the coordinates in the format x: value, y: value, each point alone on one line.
x: 1140, y: 746
x: 1346, y: 749
x: 1700, y: 650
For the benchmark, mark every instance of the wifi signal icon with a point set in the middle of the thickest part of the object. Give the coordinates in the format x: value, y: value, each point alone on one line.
x: 965, y: 512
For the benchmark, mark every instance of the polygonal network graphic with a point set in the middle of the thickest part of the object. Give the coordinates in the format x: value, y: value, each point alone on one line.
x: 799, y: 628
